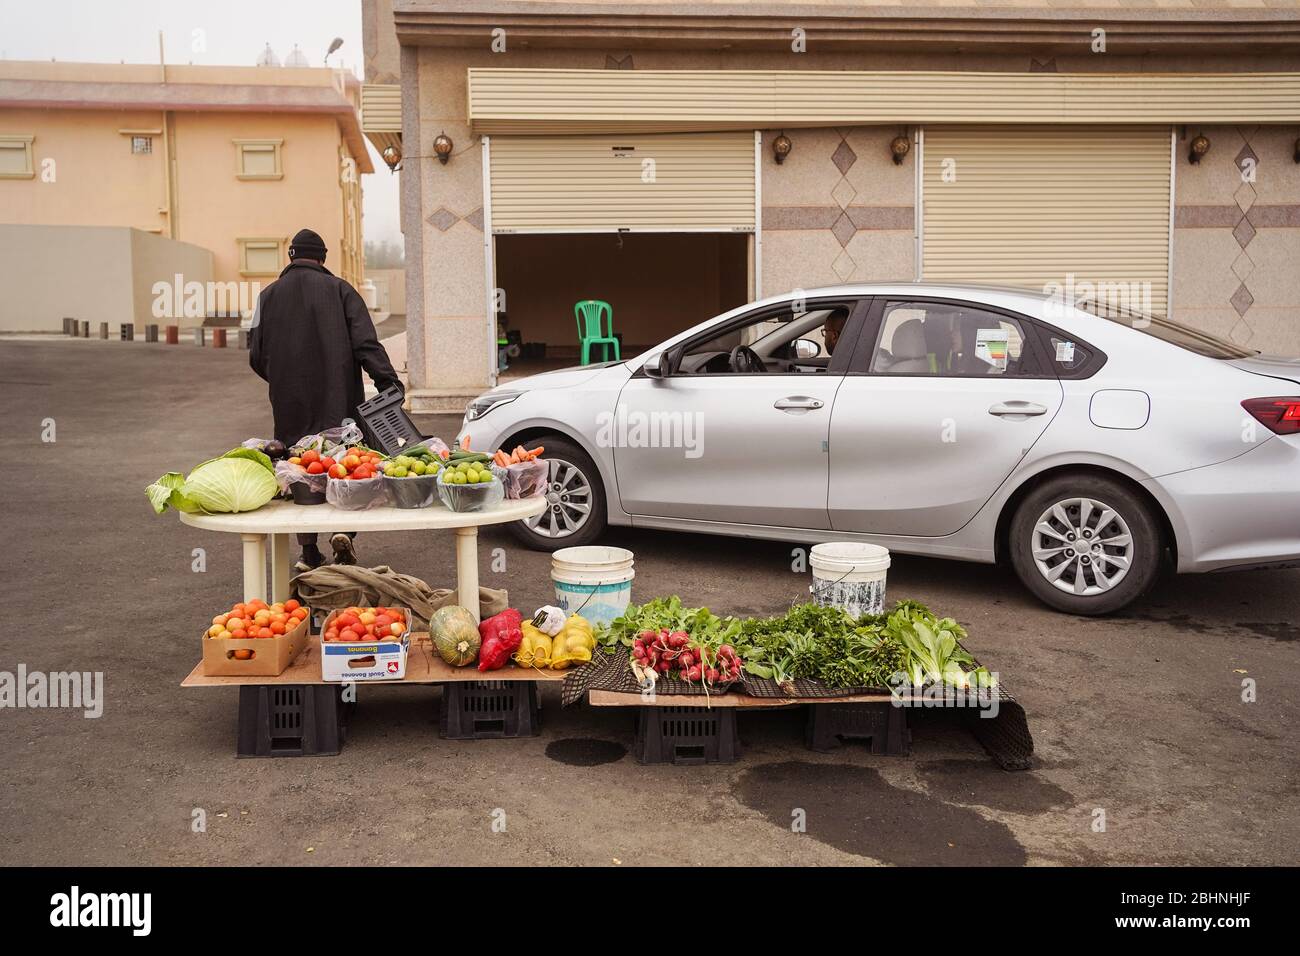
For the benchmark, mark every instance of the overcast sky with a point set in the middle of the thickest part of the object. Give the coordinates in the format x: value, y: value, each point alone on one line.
x: 232, y: 32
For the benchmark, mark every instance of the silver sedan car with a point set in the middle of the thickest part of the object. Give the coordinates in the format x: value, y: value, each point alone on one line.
x: 963, y: 422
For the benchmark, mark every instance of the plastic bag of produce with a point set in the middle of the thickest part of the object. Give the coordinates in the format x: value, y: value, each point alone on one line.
x: 501, y: 635
x: 467, y: 495
x: 549, y: 619
x: 357, y: 494
x: 574, y: 643
x: 534, y: 647
x: 294, y: 480
x: 525, y: 479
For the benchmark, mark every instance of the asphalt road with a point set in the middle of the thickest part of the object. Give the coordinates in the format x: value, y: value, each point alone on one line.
x: 1139, y: 720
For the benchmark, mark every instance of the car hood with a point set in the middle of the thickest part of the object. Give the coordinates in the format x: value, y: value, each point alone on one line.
x: 559, y: 378
x: 1275, y: 366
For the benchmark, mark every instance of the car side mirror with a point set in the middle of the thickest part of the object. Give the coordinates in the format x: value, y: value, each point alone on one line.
x: 805, y: 349
x: 663, y: 366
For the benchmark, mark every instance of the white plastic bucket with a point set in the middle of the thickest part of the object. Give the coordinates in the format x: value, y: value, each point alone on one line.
x: 593, y: 581
x: 850, y: 576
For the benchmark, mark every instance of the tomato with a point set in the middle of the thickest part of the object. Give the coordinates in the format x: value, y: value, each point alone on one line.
x: 315, y: 468
x: 243, y: 654
x: 354, y: 452
x: 327, y: 461
x: 338, y: 471
x: 239, y: 634
x: 265, y: 632
x: 310, y: 455
x: 262, y: 617
x: 397, y: 630
x: 332, y: 634
x: 299, y: 613
x: 367, y: 617
x: 277, y: 627
x: 235, y: 623
x: 382, y: 621
x: 295, y: 460
x: 216, y: 630
x: 291, y: 605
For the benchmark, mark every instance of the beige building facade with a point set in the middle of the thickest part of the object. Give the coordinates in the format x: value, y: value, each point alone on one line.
x: 627, y: 153
x: 228, y: 160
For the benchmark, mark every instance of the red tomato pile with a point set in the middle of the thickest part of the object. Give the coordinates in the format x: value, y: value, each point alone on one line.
x: 355, y: 463
x: 363, y: 625
x: 256, y: 618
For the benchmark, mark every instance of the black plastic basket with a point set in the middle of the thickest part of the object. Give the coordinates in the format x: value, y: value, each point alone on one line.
x: 386, y: 425
x: 489, y: 709
x: 686, y: 735
x: 304, y: 495
x: 291, y: 720
x: 885, y: 725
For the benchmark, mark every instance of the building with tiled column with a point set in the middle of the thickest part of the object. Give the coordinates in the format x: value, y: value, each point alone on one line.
x: 626, y: 153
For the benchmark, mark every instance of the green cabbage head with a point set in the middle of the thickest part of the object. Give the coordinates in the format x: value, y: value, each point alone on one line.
x: 240, y: 480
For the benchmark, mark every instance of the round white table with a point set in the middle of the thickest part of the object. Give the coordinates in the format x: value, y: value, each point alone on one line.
x: 279, y: 519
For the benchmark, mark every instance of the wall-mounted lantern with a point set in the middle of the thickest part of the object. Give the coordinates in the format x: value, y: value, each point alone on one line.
x: 393, y: 157
x: 442, y: 146
x: 899, y: 147
x: 781, y: 147
x: 1200, y: 146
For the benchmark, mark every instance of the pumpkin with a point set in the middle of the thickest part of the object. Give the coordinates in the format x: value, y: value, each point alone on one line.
x: 455, y: 635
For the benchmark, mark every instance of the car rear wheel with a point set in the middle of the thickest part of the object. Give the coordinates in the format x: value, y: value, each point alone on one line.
x: 1085, y: 544
x: 575, y: 500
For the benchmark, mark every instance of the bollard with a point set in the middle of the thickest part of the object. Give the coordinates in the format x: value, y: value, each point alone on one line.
x: 103, y: 330
x: 199, y: 338
x: 69, y: 326
x: 85, y: 328
x: 128, y: 331
x: 218, y: 338
x: 151, y: 333
x: 173, y: 334
x: 243, y: 339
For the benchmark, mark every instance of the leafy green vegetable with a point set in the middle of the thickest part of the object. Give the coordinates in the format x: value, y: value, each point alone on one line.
x: 240, y: 480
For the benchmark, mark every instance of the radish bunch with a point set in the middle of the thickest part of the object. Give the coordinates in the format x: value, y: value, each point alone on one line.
x: 676, y: 654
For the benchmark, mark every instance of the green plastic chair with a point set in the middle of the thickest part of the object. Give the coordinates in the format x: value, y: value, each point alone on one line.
x: 592, y: 316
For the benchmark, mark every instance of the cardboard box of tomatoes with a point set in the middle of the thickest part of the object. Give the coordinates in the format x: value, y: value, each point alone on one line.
x: 365, y: 644
x: 255, y: 639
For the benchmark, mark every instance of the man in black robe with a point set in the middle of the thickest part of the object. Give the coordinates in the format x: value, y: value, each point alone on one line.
x: 311, y: 338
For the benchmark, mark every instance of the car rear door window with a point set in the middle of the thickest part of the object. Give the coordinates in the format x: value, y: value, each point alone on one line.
x: 952, y: 339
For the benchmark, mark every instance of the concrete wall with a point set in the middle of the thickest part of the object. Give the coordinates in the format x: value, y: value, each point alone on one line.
x: 1237, y: 243
x: 92, y: 273
x: 390, y: 286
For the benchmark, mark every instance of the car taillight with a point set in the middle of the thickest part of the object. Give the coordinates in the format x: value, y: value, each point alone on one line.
x: 1278, y: 415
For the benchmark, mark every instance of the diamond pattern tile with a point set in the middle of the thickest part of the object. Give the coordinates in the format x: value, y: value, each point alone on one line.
x: 844, y: 157
x: 1241, y: 299
x: 1245, y: 196
x: 1243, y: 266
x: 843, y: 266
x: 1244, y: 232
x: 1244, y: 154
x: 843, y: 193
x: 475, y: 218
x: 843, y: 230
x: 442, y: 219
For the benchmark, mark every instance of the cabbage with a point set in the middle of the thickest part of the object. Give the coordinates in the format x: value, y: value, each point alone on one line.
x: 240, y: 480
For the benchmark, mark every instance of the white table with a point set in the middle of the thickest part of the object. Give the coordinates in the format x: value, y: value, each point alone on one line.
x: 280, y: 519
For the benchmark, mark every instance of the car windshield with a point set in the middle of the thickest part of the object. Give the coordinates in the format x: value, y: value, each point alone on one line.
x: 1175, y: 333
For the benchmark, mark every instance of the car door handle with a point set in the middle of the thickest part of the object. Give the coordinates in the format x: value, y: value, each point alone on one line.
x: 1018, y: 408
x: 799, y: 402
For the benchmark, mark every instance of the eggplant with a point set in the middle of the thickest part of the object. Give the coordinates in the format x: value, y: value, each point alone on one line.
x: 275, y: 450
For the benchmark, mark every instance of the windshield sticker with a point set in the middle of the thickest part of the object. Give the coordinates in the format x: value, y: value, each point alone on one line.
x: 1065, y: 352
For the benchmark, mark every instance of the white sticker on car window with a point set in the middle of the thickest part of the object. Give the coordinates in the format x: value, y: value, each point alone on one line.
x: 1065, y: 352
x: 991, y: 346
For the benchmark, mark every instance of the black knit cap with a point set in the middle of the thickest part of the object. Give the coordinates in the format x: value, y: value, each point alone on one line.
x: 307, y: 245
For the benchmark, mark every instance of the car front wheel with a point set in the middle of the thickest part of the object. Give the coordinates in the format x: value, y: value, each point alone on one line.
x: 575, y: 500
x: 1085, y: 544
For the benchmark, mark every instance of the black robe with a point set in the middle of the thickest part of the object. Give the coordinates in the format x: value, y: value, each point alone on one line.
x: 311, y: 337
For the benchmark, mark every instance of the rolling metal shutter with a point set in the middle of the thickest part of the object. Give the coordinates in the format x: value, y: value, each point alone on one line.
x: 1032, y: 206
x: 693, y: 182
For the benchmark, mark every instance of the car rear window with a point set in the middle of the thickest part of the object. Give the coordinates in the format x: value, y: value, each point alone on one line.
x: 1175, y: 333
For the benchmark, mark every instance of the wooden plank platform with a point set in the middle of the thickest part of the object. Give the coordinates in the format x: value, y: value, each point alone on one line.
x: 423, y: 666
x: 611, y: 698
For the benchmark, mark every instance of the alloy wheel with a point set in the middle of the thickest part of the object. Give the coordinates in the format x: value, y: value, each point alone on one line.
x: 1082, y: 546
x: 568, y: 501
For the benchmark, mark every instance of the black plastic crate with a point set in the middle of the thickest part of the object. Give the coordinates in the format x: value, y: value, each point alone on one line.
x: 385, y: 424
x: 885, y: 725
x: 291, y: 720
x: 489, y: 709
x: 686, y: 735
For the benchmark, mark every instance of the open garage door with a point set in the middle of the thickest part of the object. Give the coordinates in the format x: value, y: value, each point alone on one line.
x: 1032, y: 206
x: 690, y: 182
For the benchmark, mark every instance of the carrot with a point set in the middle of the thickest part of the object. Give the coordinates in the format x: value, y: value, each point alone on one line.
x: 536, y: 452
x: 464, y: 443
